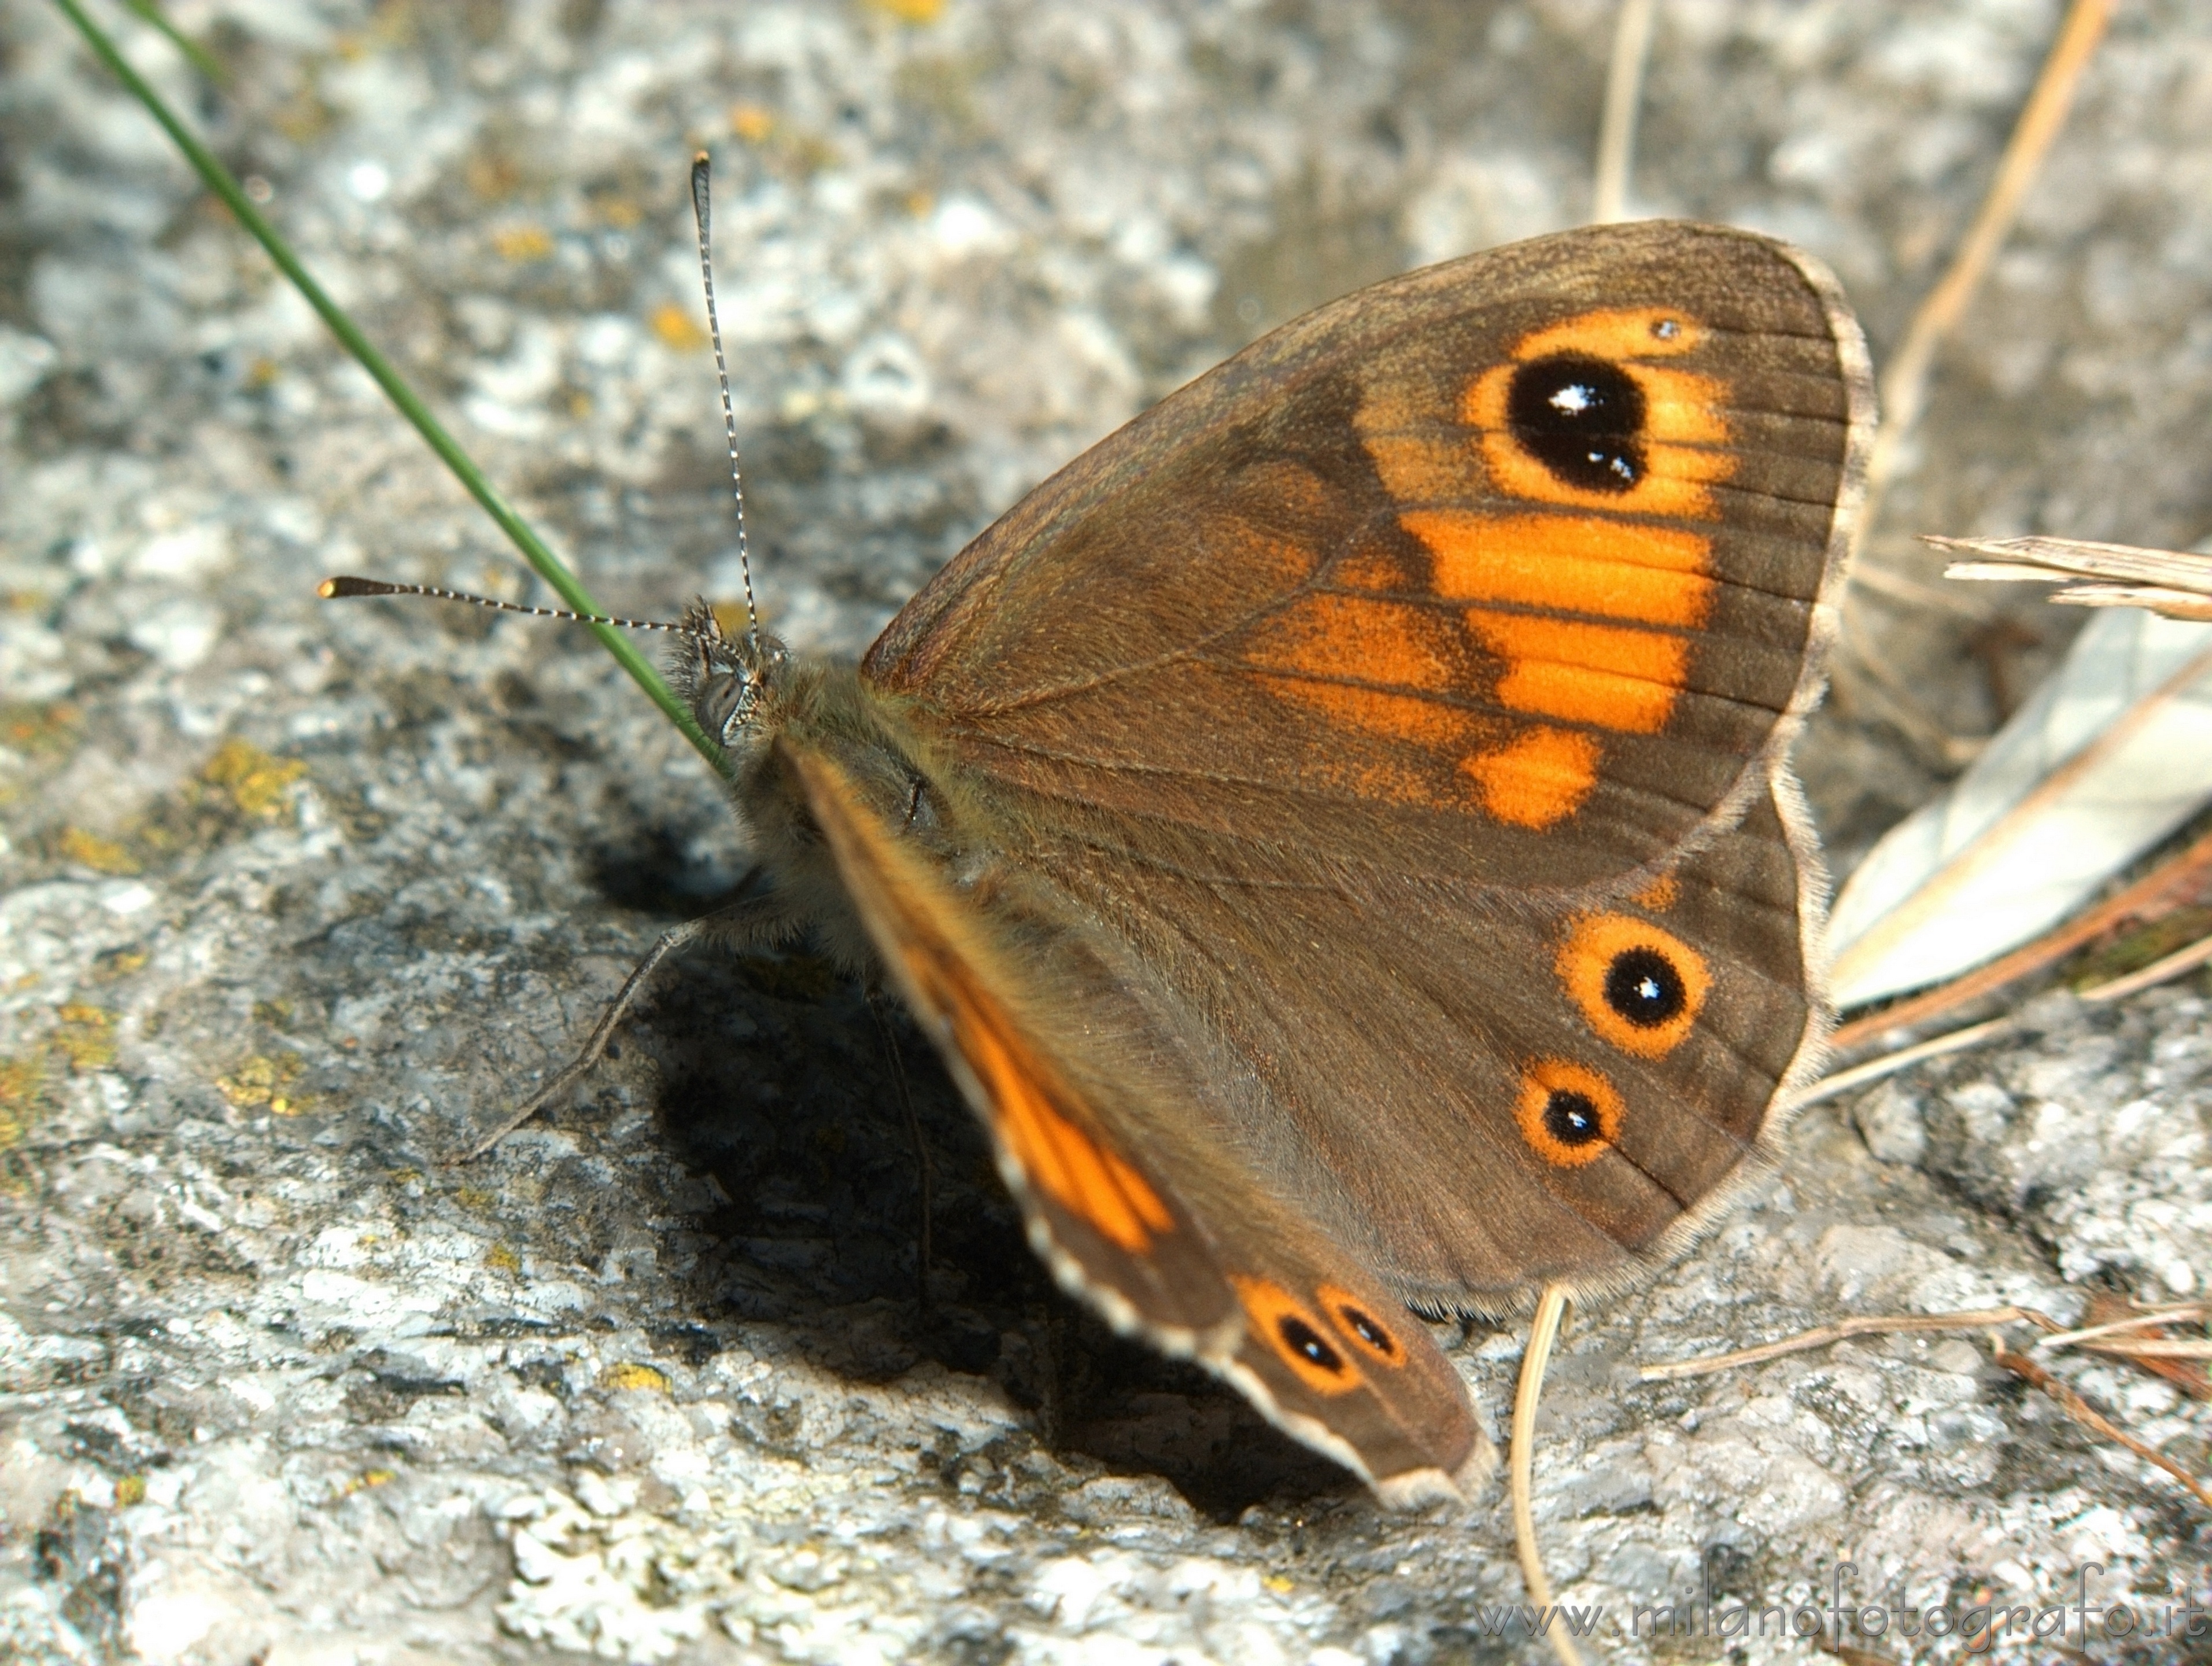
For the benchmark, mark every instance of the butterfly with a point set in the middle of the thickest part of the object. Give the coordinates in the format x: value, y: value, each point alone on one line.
x: 1338, y: 831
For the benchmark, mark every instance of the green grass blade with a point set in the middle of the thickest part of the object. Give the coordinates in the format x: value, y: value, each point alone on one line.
x: 203, y: 60
x: 547, y: 564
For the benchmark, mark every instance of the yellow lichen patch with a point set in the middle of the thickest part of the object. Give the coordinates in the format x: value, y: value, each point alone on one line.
x: 751, y: 123
x: 258, y: 784
x: 502, y: 1259
x: 20, y: 1082
x: 677, y: 328
x: 911, y: 11
x: 522, y: 243
x: 475, y: 1197
x: 40, y: 729
x: 492, y: 174
x: 264, y: 1082
x: 85, y: 1036
x: 130, y: 1490
x: 618, y: 210
x: 631, y: 1374
x: 90, y: 850
x: 364, y: 1480
x: 118, y: 963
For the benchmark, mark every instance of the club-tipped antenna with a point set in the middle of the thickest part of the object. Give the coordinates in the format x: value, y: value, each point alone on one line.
x: 344, y: 585
x: 703, y: 214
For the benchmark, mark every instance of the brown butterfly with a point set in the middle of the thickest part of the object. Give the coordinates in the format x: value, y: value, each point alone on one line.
x: 1339, y: 830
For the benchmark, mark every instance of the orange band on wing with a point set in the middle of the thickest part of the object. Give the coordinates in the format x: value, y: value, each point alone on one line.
x: 1539, y: 777
x: 1586, y: 673
x: 1573, y: 563
x: 1374, y: 640
x: 1090, y: 1182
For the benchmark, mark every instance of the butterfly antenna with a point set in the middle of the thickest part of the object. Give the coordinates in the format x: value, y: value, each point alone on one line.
x: 338, y: 588
x: 703, y: 214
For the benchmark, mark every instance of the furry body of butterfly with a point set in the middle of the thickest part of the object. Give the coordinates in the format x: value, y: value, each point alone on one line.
x: 1338, y: 831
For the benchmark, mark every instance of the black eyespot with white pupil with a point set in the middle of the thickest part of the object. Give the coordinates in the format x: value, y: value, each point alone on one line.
x: 1303, y: 1340
x: 1582, y: 418
x: 1571, y: 1118
x: 1645, y: 987
x: 1367, y: 1330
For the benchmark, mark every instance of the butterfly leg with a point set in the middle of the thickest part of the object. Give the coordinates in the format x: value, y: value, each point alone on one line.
x: 878, y: 1009
x: 754, y: 917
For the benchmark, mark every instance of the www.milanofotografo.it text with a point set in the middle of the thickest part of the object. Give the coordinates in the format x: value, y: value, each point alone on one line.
x: 2085, y: 1617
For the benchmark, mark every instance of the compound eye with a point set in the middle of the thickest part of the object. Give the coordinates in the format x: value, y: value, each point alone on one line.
x: 720, y: 705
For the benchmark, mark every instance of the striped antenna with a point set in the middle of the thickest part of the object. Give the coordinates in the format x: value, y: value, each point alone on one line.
x: 338, y: 588
x: 702, y: 213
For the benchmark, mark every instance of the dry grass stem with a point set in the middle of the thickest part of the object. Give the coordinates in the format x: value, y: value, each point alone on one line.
x: 1543, y: 1332
x: 1874, y: 1324
x: 2145, y: 898
x: 2173, y: 583
x: 1905, y: 383
x: 1624, y: 91
x: 2172, y: 1313
x: 2158, y: 971
x: 1889, y: 1064
x: 2087, y: 1415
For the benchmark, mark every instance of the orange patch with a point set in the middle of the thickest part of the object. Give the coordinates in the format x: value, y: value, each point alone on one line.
x: 1377, y: 641
x: 1592, y: 957
x: 1089, y: 1181
x: 1616, y: 333
x: 1548, y: 1077
x: 1572, y: 563
x: 1296, y: 1337
x: 1541, y: 777
x: 1662, y: 894
x: 1585, y: 674
x: 1356, y: 1321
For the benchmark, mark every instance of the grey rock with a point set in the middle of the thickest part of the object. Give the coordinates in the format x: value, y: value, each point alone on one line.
x: 294, y: 897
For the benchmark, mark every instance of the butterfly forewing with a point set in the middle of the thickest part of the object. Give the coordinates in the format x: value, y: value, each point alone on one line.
x: 1504, y: 571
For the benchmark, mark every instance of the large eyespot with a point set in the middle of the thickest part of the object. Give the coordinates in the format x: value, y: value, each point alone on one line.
x: 1640, y: 987
x: 1582, y: 418
x: 1569, y: 1115
x: 1283, y: 1325
x: 1356, y: 1320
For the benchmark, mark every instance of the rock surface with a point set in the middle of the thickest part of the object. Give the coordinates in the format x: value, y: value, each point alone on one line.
x: 295, y: 896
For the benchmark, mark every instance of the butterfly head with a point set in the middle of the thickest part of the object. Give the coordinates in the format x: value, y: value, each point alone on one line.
x: 727, y: 680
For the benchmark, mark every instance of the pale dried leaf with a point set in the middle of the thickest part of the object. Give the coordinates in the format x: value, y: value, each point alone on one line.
x: 2106, y: 758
